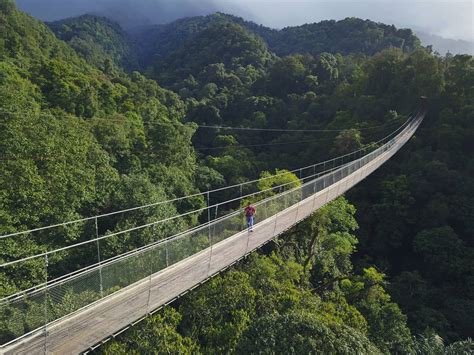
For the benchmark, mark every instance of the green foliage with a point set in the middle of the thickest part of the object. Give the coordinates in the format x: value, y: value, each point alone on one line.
x: 287, y: 75
x: 7, y: 6
x: 53, y: 167
x: 433, y: 344
x: 218, y: 318
x: 270, y: 304
x: 418, y: 225
x: 278, y: 285
x: 299, y: 333
x: 282, y: 178
x: 98, y: 40
x: 350, y: 35
x: 265, y: 308
x: 78, y: 137
x: 443, y: 251
x: 323, y: 243
x: 235, y: 48
x: 159, y: 335
x: 347, y: 36
x: 347, y: 142
x: 77, y: 141
x: 387, y: 324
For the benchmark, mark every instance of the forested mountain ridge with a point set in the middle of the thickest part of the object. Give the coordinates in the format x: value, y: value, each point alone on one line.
x: 93, y: 36
x: 97, y: 39
x: 77, y: 140
x: 348, y: 36
x: 228, y: 44
x: 351, y: 35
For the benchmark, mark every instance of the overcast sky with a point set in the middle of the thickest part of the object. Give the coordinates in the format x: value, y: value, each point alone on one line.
x: 449, y: 18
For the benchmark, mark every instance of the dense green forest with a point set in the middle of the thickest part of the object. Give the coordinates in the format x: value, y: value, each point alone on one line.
x: 94, y: 120
x: 97, y: 39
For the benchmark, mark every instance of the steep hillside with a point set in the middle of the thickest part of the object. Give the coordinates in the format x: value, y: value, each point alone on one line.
x: 26, y: 39
x: 76, y: 141
x: 351, y: 35
x: 347, y: 36
x: 154, y: 42
x: 98, y: 40
x: 226, y: 43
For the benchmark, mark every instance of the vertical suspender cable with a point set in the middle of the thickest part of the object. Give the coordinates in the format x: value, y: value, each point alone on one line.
x: 209, y: 233
x: 46, y: 304
x: 101, y: 287
x: 151, y: 273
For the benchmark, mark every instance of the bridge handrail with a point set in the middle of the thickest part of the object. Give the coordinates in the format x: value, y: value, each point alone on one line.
x: 54, y: 289
x: 184, y: 233
x: 167, y: 219
x: 204, y: 193
x: 106, y: 236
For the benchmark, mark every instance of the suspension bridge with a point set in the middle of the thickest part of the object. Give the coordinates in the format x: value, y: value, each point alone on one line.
x: 75, y: 311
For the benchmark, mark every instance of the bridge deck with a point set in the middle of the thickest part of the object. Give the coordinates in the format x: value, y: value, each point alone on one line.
x: 78, y: 332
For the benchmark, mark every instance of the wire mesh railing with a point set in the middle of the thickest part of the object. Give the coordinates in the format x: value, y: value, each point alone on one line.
x: 104, y: 267
x: 219, y: 194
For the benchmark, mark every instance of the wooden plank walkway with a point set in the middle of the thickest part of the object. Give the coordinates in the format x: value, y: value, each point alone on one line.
x: 80, y: 331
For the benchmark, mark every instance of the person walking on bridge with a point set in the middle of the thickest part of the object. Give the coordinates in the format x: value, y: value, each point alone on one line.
x: 250, y: 212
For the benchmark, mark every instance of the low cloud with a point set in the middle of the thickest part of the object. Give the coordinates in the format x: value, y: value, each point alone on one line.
x: 128, y: 13
x: 450, y: 19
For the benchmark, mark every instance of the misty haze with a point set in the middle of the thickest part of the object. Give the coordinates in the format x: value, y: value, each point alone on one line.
x: 434, y: 19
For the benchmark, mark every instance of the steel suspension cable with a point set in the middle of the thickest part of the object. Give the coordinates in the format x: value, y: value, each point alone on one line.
x: 113, y: 259
x: 18, y: 114
x: 295, y: 130
x: 196, y: 194
x: 156, y: 222
x: 175, y: 236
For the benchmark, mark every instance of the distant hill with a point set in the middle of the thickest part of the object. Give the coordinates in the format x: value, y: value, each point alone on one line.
x: 96, y: 39
x: 156, y: 41
x: 444, y: 45
x: 226, y: 43
x: 350, y: 35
